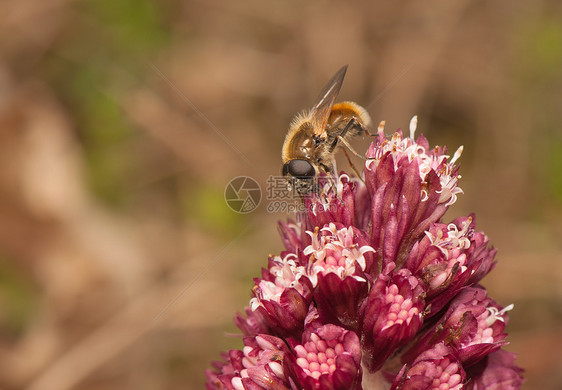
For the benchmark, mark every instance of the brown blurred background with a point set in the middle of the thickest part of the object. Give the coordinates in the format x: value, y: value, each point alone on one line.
x: 121, y: 266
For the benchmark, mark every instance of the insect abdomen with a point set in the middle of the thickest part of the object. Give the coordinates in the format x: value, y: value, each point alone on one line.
x: 348, y: 110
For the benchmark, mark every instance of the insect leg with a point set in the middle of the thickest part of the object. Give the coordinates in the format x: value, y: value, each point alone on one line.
x: 349, y: 125
x: 340, y: 137
x: 352, y: 165
x: 332, y: 175
x: 348, y: 146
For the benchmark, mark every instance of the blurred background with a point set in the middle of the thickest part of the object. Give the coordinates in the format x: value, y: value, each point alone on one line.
x: 122, y: 122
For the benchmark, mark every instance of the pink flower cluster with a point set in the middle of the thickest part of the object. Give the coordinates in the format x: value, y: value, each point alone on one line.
x: 374, y: 291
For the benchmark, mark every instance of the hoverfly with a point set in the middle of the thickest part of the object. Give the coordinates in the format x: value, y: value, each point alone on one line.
x: 315, y: 135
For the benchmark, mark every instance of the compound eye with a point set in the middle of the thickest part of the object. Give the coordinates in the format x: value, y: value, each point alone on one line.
x: 301, y: 169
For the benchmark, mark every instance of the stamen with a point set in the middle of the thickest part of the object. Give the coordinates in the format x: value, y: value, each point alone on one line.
x: 457, y: 155
x: 497, y: 315
x: 380, y: 130
x: 413, y: 126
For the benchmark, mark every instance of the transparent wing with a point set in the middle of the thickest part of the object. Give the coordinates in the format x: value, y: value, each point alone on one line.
x: 323, y: 106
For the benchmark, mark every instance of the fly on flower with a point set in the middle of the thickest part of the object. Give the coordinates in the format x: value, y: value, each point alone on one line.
x: 315, y: 135
x: 376, y: 291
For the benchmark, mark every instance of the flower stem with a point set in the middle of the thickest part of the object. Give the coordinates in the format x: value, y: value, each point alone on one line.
x: 374, y: 381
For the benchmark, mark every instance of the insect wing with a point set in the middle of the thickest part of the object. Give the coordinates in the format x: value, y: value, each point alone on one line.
x: 323, y: 107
